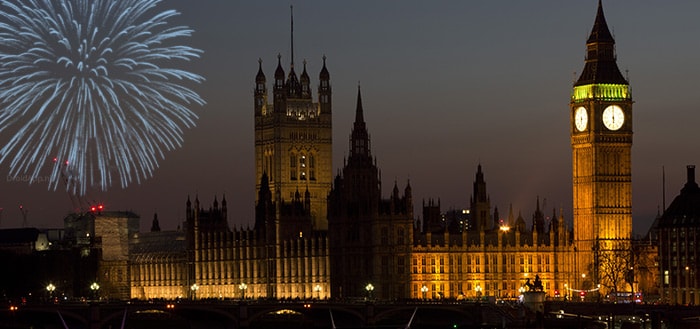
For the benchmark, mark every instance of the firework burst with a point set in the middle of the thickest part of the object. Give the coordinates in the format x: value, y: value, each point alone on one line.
x: 88, y: 93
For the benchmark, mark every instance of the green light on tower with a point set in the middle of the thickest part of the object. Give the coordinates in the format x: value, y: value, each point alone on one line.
x: 601, y: 91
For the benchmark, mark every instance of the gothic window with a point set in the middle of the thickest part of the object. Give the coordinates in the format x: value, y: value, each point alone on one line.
x: 442, y: 264
x: 432, y: 265
x: 401, y: 265
x: 423, y: 265
x: 415, y: 265
x: 384, y: 236
x: 293, y: 166
x: 312, y: 167
x: 399, y: 236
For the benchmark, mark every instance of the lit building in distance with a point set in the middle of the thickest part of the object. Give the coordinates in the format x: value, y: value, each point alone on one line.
x: 679, y: 231
x: 496, y: 258
x: 293, y: 137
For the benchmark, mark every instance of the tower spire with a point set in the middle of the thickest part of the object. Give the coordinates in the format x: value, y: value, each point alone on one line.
x: 601, y: 63
x: 359, y: 115
x: 359, y: 139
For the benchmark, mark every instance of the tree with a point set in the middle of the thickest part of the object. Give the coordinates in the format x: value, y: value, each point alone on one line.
x: 615, y: 268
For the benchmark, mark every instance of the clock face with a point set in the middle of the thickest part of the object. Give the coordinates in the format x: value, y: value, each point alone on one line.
x: 581, y: 118
x: 613, y: 117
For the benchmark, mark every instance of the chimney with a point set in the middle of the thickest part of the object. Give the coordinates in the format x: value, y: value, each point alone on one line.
x: 691, y: 174
x: 691, y: 186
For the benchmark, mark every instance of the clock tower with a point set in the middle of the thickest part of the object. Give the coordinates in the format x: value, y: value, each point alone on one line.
x: 601, y: 141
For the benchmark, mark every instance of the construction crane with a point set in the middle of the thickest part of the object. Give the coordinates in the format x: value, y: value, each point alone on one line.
x: 24, y: 212
x: 80, y: 203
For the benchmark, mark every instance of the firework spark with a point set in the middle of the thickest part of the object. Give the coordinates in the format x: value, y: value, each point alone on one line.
x: 90, y: 85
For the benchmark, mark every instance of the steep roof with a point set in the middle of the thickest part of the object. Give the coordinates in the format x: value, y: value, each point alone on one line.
x: 601, y: 61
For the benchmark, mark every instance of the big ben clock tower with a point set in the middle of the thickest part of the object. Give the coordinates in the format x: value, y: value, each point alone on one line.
x: 601, y: 141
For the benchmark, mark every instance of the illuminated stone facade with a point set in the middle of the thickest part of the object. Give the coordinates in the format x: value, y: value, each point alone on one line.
x: 158, y: 265
x: 113, y: 231
x: 601, y: 139
x: 377, y: 241
x: 293, y: 138
x: 282, y: 257
x: 495, y: 260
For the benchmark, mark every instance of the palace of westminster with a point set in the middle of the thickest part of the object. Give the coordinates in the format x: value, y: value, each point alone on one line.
x: 320, y: 236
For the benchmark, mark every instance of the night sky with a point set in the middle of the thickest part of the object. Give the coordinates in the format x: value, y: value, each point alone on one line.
x: 446, y: 86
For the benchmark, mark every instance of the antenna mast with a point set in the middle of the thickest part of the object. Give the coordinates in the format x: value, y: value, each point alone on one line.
x: 663, y: 189
x: 291, y: 11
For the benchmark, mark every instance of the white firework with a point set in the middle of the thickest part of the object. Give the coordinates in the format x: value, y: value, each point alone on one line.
x: 88, y: 91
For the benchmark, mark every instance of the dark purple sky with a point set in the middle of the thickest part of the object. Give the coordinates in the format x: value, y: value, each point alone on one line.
x: 446, y: 85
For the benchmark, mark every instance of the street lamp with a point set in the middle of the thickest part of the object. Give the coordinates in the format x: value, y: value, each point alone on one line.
x: 50, y: 288
x: 369, y: 287
x: 95, y: 288
x: 194, y: 289
x: 242, y: 287
x: 317, y: 289
x: 478, y: 291
x: 424, y: 290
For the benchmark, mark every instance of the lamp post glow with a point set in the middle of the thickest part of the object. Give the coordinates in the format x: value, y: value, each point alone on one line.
x: 317, y: 290
x: 478, y: 291
x: 194, y: 289
x: 50, y: 288
x: 369, y: 287
x: 424, y: 290
x: 95, y: 288
x: 243, y: 288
